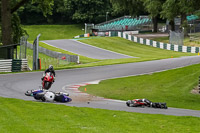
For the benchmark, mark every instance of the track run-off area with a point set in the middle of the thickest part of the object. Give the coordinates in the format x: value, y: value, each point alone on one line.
x: 14, y: 85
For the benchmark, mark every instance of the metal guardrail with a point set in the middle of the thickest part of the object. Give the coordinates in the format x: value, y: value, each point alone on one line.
x: 24, y: 66
x: 9, y: 65
x: 58, y: 55
x: 6, y: 65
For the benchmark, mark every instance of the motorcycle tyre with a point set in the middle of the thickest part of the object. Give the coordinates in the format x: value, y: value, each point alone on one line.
x: 28, y: 93
x: 47, y: 85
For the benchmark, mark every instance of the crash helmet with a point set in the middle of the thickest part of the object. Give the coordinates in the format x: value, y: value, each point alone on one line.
x: 49, y: 96
x: 51, y: 67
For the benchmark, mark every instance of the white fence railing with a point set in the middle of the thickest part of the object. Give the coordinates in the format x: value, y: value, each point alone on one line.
x: 7, y: 64
x: 24, y: 66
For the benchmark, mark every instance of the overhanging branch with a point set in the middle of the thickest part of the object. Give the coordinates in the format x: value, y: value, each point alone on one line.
x: 18, y: 5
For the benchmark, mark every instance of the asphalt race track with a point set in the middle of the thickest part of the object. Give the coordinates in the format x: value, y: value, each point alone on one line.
x: 14, y: 85
x: 85, y: 49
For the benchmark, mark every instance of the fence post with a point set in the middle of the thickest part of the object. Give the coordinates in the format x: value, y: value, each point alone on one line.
x: 35, y: 53
x: 199, y: 84
x: 16, y: 65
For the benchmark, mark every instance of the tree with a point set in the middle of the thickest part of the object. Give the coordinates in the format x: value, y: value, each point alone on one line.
x: 133, y: 7
x: 154, y: 7
x: 9, y: 7
x: 182, y: 8
x: 87, y: 11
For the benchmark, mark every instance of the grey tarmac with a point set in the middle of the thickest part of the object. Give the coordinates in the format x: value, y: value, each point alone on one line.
x: 85, y: 49
x: 14, y: 85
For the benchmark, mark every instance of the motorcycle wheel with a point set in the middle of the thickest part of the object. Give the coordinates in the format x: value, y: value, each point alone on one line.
x: 43, y: 99
x: 47, y: 85
x: 28, y: 93
x: 128, y: 103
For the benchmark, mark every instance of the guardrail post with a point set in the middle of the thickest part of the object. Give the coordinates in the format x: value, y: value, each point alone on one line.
x: 35, y: 53
x: 199, y: 84
x: 16, y: 65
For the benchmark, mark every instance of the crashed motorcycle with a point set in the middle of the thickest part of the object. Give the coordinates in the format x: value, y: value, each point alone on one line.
x: 33, y: 92
x: 145, y: 103
x: 49, y: 96
x: 47, y: 80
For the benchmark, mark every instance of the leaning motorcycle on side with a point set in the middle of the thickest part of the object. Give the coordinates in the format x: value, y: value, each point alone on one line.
x: 44, y: 94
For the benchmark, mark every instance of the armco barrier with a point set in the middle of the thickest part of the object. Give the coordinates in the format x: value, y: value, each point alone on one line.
x: 161, y: 45
x: 24, y: 65
x: 69, y: 58
x: 6, y: 65
x: 16, y: 65
x: 10, y: 65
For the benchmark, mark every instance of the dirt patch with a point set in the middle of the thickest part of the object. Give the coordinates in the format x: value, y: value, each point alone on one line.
x: 195, y: 90
x: 82, y: 98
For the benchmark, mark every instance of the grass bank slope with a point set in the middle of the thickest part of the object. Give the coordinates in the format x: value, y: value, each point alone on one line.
x: 53, y: 32
x: 172, y: 86
x: 124, y: 46
x: 20, y: 116
x: 120, y: 45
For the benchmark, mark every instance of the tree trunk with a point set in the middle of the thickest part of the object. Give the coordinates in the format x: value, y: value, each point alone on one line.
x: 6, y: 22
x: 184, y: 24
x: 172, y: 25
x: 155, y: 24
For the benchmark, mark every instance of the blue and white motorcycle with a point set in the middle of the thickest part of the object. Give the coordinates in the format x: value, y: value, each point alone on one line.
x: 49, y: 96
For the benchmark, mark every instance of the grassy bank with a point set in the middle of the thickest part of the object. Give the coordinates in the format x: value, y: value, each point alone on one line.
x: 25, y: 116
x: 172, y: 86
x: 53, y: 32
x: 120, y: 45
x: 124, y: 46
x: 83, y: 59
x: 186, y: 41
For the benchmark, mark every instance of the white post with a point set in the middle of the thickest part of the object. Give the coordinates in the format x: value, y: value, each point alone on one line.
x: 78, y: 61
x: 106, y: 16
x: 85, y: 28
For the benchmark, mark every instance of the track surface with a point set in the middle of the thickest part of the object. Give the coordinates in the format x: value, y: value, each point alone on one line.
x: 14, y: 85
x: 85, y: 49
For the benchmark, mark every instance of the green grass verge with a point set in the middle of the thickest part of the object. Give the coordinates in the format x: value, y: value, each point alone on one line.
x: 124, y: 46
x: 47, y: 60
x: 20, y: 116
x: 82, y: 59
x: 186, y: 41
x: 57, y: 63
x: 53, y: 32
x: 120, y: 45
x: 172, y: 86
x: 144, y: 53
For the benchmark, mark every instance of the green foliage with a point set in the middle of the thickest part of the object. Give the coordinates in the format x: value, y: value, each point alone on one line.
x: 87, y: 10
x: 45, y: 5
x: 153, y: 6
x: 133, y: 7
x: 173, y: 8
x: 17, y: 30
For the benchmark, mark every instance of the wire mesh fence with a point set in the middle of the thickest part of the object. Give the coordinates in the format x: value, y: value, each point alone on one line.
x: 23, y: 47
x: 58, y: 55
x: 176, y: 37
x: 46, y: 61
